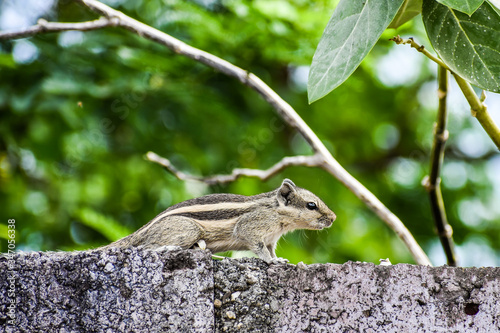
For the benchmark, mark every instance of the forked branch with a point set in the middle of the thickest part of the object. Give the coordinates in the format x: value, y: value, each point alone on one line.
x: 287, y: 113
x: 309, y: 161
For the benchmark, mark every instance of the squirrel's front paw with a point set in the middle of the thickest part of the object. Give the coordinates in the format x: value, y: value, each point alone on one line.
x: 202, y: 244
x: 277, y: 261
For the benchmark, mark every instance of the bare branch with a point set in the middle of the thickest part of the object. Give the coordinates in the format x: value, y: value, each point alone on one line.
x: 288, y: 114
x: 478, y: 108
x: 43, y: 26
x: 433, y: 182
x: 309, y: 161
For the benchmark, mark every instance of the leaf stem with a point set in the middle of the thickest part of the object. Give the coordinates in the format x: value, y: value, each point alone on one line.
x: 478, y: 108
x: 433, y: 182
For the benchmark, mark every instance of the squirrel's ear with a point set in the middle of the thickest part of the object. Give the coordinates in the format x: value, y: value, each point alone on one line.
x: 289, y: 182
x: 287, y: 188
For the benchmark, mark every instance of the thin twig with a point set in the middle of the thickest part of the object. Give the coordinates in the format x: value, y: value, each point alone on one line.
x: 218, y: 257
x: 420, y: 48
x: 288, y: 114
x: 43, y: 26
x: 432, y: 183
x: 478, y: 108
x: 309, y: 161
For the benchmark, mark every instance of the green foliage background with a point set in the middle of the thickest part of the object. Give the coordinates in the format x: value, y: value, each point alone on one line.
x: 76, y: 120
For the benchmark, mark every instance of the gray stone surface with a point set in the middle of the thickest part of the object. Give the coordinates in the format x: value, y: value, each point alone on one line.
x: 361, y: 297
x: 110, y: 291
x: 245, y: 297
x: 186, y: 291
x: 355, y: 297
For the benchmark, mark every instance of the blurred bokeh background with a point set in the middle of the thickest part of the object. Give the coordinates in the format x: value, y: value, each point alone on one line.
x: 78, y: 111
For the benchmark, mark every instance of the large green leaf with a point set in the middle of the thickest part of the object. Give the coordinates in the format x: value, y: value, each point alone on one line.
x: 408, y: 10
x: 465, y: 6
x: 495, y: 4
x: 352, y: 31
x: 470, y: 46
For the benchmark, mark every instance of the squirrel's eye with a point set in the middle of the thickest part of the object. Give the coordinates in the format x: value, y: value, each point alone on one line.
x: 311, y: 206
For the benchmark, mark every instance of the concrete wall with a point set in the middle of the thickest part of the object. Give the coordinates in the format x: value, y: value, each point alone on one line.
x: 186, y: 291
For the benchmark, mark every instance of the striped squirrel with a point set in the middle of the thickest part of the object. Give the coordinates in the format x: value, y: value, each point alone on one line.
x: 224, y: 222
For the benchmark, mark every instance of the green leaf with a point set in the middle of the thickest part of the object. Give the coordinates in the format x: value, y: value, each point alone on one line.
x: 109, y: 227
x: 4, y: 231
x: 495, y: 4
x: 469, y: 45
x: 465, y: 6
x: 351, y: 33
x: 408, y: 10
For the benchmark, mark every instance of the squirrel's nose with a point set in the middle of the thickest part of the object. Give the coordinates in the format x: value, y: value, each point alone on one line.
x: 329, y: 221
x: 333, y: 217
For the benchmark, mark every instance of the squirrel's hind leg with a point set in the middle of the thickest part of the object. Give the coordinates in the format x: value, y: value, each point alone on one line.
x: 172, y: 231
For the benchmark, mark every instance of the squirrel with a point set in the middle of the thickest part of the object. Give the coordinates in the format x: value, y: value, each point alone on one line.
x: 224, y: 222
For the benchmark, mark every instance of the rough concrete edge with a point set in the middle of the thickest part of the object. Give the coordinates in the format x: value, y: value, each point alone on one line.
x: 156, y: 265
x: 254, y: 273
